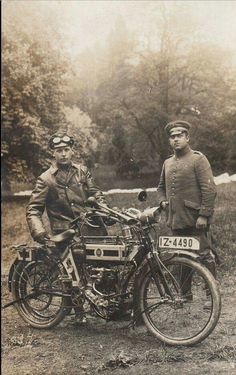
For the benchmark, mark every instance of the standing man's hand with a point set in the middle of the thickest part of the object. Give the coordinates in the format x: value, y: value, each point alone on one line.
x: 201, y: 222
x: 164, y: 204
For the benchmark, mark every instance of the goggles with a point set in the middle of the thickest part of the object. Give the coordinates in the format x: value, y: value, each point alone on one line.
x: 64, y: 139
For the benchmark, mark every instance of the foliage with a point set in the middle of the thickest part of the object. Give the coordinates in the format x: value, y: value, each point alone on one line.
x: 85, y: 133
x: 31, y: 95
x: 132, y: 93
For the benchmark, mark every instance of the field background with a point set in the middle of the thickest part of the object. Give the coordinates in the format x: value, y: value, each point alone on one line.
x: 104, y: 348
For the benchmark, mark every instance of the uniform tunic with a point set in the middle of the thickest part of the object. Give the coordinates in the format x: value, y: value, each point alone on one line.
x: 187, y: 183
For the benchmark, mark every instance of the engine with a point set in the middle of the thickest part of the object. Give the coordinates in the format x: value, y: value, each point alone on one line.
x: 106, y: 284
x: 100, y: 279
x: 105, y: 280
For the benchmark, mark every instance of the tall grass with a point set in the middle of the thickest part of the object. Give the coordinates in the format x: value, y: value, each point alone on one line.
x: 224, y: 225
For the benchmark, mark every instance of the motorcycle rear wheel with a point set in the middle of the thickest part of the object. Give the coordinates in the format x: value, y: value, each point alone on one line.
x: 181, y: 318
x: 33, y: 285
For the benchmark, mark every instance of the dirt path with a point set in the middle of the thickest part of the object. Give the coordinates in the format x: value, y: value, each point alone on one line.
x: 110, y: 348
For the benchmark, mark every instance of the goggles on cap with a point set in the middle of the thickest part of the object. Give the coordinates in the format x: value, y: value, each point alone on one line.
x: 64, y: 139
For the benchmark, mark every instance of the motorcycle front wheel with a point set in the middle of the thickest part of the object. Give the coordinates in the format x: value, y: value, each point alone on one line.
x: 37, y: 287
x: 186, y: 313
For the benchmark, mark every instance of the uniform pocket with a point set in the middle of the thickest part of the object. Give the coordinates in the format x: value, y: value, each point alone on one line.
x: 191, y: 204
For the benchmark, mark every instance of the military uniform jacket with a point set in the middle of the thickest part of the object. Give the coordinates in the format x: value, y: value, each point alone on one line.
x: 187, y: 183
x: 62, y: 197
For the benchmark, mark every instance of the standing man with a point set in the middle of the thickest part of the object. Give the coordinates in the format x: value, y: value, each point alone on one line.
x: 187, y: 191
x: 63, y: 191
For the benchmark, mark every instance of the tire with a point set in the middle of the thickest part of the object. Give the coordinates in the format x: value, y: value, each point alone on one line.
x: 42, y: 310
x: 181, y: 319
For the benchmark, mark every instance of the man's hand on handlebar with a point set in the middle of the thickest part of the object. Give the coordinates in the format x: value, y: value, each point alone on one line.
x: 164, y: 205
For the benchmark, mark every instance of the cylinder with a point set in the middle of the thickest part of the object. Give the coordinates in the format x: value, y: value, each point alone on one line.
x: 79, y: 252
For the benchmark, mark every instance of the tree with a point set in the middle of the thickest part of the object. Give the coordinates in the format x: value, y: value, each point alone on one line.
x: 85, y: 133
x: 32, y: 93
x: 181, y: 78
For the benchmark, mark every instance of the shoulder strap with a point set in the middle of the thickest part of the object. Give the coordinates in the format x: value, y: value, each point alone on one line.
x: 197, y: 152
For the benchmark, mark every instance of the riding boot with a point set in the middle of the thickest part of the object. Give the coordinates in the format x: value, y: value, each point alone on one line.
x: 80, y: 316
x: 185, y: 283
x: 211, y: 266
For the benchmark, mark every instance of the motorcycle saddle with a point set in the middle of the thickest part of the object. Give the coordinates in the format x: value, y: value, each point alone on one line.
x: 63, y: 236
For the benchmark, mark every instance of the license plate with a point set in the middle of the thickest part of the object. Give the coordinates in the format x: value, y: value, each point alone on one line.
x: 179, y: 242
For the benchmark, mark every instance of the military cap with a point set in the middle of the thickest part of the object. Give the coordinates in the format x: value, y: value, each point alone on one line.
x: 177, y: 127
x: 60, y: 139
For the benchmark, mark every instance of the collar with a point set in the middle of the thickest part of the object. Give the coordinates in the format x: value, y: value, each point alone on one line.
x: 183, y: 152
x: 54, y: 167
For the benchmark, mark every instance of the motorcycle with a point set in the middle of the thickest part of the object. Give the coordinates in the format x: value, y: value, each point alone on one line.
x: 163, y: 286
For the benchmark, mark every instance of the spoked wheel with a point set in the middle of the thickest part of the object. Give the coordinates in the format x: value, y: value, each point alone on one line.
x: 189, y: 312
x: 38, y: 288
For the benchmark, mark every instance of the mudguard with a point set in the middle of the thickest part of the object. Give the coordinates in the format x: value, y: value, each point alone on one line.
x: 11, y: 271
x: 168, y: 254
x: 24, y: 254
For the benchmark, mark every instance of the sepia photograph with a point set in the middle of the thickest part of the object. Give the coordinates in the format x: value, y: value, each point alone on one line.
x: 118, y: 185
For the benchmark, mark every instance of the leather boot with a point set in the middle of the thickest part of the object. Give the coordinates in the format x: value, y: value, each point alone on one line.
x: 80, y: 316
x: 211, y: 266
x: 185, y: 283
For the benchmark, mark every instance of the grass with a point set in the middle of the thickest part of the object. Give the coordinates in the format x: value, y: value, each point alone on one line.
x: 224, y: 226
x: 215, y: 352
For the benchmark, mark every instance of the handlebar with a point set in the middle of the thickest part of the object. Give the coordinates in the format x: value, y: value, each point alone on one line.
x: 105, y: 212
x: 130, y: 217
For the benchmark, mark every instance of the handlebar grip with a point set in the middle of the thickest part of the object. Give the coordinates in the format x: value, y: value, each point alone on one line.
x: 129, y: 219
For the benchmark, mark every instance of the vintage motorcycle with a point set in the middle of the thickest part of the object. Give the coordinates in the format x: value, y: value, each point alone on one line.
x: 162, y: 285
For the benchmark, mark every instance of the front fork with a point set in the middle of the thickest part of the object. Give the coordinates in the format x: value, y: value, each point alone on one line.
x: 156, y: 268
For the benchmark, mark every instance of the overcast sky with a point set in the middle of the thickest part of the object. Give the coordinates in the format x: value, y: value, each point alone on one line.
x: 91, y: 21
x: 86, y: 22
